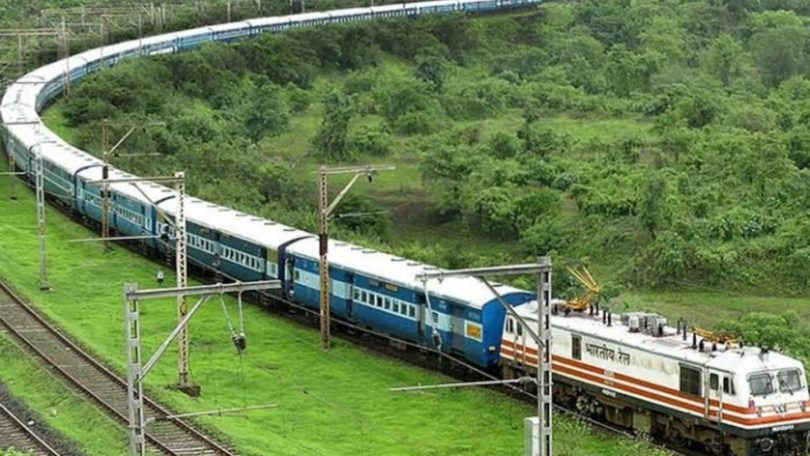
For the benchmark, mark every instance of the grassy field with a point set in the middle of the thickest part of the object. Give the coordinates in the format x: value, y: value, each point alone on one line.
x: 705, y: 307
x: 330, y: 403
x: 61, y: 409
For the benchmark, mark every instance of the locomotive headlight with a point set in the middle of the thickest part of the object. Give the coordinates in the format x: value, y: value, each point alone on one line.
x: 492, y: 348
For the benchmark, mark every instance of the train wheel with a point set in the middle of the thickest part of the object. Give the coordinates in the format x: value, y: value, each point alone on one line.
x: 716, y: 446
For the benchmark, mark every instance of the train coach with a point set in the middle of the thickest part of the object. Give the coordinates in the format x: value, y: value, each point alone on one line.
x: 636, y: 372
x: 458, y: 315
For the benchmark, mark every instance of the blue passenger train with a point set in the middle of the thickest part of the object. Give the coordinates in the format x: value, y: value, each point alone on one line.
x: 368, y: 288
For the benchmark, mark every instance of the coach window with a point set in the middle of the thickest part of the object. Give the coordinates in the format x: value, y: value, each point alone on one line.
x: 690, y: 380
x: 728, y: 386
x: 576, y: 347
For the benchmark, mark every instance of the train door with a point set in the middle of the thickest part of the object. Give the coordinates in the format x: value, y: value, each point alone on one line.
x: 289, y: 275
x: 520, y: 342
x: 714, y: 395
x: 350, y: 295
x: 420, y: 314
x: 457, y: 328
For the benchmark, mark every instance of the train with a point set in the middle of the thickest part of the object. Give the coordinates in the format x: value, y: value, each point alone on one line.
x: 730, y: 400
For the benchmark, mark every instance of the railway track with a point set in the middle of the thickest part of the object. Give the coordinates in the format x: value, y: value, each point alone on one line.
x: 15, y: 433
x: 98, y: 383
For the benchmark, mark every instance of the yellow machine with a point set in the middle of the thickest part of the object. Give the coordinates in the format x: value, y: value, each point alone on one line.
x: 717, y: 337
x: 582, y: 303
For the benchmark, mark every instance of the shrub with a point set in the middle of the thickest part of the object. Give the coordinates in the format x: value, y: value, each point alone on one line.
x: 372, y: 141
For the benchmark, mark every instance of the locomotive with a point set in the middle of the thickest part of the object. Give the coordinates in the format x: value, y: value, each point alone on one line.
x: 732, y: 399
x: 675, y: 383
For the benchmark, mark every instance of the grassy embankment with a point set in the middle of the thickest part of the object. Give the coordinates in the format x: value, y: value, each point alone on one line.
x: 332, y: 403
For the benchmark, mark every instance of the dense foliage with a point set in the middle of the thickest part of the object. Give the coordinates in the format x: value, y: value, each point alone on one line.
x: 706, y: 182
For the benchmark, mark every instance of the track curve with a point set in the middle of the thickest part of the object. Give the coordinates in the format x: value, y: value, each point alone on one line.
x: 95, y: 381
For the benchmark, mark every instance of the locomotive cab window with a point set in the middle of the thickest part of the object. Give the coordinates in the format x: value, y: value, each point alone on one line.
x: 789, y: 381
x: 761, y: 384
x: 690, y: 380
x: 576, y: 347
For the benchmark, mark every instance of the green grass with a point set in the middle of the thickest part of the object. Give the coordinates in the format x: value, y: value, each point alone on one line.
x: 329, y: 403
x: 55, y: 120
x: 705, y: 307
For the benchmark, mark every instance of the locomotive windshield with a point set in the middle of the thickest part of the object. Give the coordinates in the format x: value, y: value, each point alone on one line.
x: 761, y: 384
x: 789, y: 381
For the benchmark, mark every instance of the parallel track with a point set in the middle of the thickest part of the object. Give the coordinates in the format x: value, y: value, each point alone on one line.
x: 14, y: 433
x: 96, y: 382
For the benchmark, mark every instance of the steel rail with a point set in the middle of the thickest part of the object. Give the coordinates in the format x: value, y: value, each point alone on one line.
x: 107, y: 373
x: 29, y: 433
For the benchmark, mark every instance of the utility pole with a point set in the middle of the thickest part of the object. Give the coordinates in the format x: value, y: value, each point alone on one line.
x: 542, y: 336
x: 325, y: 210
x: 181, y: 266
x: 107, y: 154
x: 38, y: 171
x: 21, y: 38
x: 137, y: 372
x: 43, y: 269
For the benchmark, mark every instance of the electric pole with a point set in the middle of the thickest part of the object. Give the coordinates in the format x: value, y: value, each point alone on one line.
x: 181, y: 265
x: 137, y: 371
x: 21, y: 38
x: 325, y: 210
x: 40, y: 184
x: 38, y: 170
x: 107, y: 154
x: 542, y: 336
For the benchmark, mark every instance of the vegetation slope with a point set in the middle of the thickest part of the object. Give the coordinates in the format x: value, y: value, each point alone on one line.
x: 662, y: 142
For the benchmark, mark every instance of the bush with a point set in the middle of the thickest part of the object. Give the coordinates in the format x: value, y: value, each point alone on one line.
x: 503, y: 145
x: 546, y: 236
x: 298, y: 99
x: 372, y: 141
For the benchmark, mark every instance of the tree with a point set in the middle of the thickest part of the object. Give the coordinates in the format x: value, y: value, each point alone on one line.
x: 723, y: 59
x: 268, y: 114
x: 780, y: 53
x: 332, y: 140
x: 431, y: 70
x: 653, y: 211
